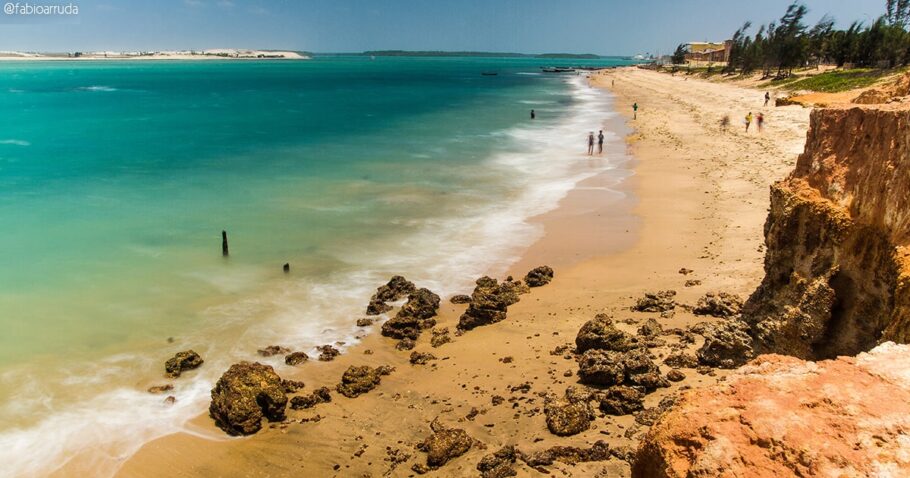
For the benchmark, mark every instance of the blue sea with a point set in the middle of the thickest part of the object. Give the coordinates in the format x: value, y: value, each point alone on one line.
x: 117, y: 178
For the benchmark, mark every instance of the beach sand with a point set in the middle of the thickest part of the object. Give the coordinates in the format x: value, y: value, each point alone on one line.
x: 698, y: 200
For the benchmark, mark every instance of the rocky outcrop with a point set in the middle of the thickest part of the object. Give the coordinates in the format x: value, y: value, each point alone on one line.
x: 608, y: 368
x: 273, y: 350
x: 320, y: 395
x: 181, y: 362
x: 661, y: 301
x: 244, y: 395
x: 414, y: 316
x: 718, y: 304
x: 460, y: 299
x: 500, y: 464
x: 837, y: 267
x: 622, y: 400
x: 489, y: 303
x: 600, y: 333
x: 571, y: 455
x: 360, y: 380
x: 727, y: 344
x: 327, y: 353
x: 444, y: 444
x: 539, y: 276
x: 780, y: 416
x: 565, y: 418
x: 296, y: 358
x: 396, y: 289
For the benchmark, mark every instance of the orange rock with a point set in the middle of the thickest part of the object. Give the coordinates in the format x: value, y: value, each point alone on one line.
x: 780, y: 416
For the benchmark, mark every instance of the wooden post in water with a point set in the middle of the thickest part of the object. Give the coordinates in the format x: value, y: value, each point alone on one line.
x: 287, y: 267
x: 224, y: 244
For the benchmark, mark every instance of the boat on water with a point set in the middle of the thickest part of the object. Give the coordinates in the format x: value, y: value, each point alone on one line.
x: 488, y: 73
x: 558, y: 69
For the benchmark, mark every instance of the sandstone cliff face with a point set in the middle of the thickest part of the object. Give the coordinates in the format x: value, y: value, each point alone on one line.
x: 837, y: 263
x: 780, y: 416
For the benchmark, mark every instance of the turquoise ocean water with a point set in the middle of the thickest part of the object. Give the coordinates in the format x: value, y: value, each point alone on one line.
x: 117, y: 178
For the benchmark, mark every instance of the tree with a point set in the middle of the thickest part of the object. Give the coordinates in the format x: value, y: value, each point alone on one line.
x: 679, y: 56
x: 790, y: 41
x: 738, y: 48
x: 898, y: 12
x: 820, y: 40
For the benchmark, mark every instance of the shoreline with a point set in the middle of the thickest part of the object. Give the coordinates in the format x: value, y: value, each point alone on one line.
x: 562, y: 177
x: 397, y: 412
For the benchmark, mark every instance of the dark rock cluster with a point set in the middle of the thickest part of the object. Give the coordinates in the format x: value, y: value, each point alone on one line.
x: 359, y: 380
x: 539, y: 276
x: 662, y: 301
x: 489, y: 303
x: 247, y: 393
x: 416, y: 315
x: 396, y: 289
x: 719, y: 304
x: 444, y: 444
x: 181, y: 362
x: 320, y: 395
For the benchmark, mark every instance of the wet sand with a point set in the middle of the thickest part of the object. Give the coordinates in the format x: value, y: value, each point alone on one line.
x: 697, y: 199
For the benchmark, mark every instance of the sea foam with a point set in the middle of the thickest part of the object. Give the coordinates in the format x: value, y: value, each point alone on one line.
x: 542, y: 161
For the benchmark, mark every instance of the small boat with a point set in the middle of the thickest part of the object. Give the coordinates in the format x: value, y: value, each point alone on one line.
x: 559, y: 69
x: 489, y: 73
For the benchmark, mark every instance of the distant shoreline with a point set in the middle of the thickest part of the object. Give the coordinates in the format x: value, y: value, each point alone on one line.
x: 221, y: 54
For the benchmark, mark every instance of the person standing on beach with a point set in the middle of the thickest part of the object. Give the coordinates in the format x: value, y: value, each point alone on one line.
x: 748, y: 121
x: 724, y: 123
x: 760, y: 121
x: 634, y: 110
x: 767, y: 98
x: 590, y: 143
x: 533, y: 115
x: 600, y: 142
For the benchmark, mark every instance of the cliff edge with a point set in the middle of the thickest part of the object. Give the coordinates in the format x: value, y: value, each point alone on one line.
x: 780, y: 416
x: 837, y: 266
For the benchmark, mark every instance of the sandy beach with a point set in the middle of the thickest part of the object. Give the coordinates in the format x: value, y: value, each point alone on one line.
x: 697, y: 200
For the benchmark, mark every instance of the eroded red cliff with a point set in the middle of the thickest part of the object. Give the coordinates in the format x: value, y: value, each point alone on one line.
x: 837, y: 263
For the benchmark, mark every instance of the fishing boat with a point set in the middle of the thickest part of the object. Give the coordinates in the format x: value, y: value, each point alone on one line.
x: 559, y: 69
x: 489, y: 73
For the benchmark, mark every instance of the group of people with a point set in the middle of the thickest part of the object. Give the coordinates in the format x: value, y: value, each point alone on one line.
x: 759, y: 118
x: 591, y: 138
x: 600, y: 142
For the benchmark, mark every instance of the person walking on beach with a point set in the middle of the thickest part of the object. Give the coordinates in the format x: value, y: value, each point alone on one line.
x: 748, y: 121
x: 767, y: 98
x: 533, y: 115
x: 634, y: 110
x: 590, y: 143
x: 760, y: 121
x: 724, y: 123
x: 600, y: 142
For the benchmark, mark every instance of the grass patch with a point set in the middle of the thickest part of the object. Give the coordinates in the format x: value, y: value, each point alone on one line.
x: 835, y: 81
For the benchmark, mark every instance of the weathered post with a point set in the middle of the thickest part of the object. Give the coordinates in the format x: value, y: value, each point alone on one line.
x: 224, y: 244
x: 287, y: 267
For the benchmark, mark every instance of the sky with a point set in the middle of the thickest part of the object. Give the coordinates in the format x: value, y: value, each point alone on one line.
x: 607, y: 27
